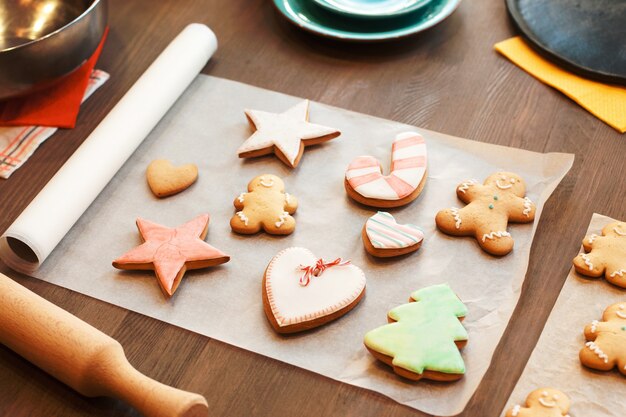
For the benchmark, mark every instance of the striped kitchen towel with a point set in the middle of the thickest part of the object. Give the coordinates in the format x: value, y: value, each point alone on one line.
x: 18, y: 143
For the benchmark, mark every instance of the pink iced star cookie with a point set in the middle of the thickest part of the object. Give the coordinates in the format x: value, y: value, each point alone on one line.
x: 169, y: 252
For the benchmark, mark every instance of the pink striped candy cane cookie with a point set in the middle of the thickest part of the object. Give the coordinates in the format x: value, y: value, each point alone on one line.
x: 366, y: 183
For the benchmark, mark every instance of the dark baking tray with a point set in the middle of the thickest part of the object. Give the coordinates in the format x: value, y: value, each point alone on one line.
x: 587, y: 37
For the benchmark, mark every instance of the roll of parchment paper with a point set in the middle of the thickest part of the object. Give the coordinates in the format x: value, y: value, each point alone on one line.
x: 36, y: 232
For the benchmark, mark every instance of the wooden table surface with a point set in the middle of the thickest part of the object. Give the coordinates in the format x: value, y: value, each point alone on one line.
x: 448, y: 79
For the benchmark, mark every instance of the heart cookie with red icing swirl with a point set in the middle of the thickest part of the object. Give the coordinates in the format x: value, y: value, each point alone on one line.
x: 302, y: 291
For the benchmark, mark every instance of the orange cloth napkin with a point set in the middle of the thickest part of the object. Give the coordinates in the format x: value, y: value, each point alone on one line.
x: 606, y: 102
x: 56, y: 106
x: 18, y: 143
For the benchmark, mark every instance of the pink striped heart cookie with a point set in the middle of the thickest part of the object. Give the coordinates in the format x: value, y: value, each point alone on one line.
x: 366, y: 183
x: 302, y: 291
x: 384, y: 237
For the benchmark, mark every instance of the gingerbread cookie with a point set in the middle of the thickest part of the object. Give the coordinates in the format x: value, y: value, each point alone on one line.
x: 285, y: 134
x: 490, y: 207
x: 605, y: 255
x: 543, y: 402
x: 424, y: 337
x: 302, y: 291
x: 384, y: 237
x: 366, y: 184
x: 170, y: 252
x: 165, y: 179
x: 265, y: 206
x: 606, y: 346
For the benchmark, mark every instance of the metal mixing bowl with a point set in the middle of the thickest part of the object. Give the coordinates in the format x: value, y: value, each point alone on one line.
x: 43, y: 40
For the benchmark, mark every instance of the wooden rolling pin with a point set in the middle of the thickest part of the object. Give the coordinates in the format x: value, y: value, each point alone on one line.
x: 83, y: 357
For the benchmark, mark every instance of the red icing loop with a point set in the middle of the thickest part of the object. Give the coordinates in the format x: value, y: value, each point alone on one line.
x: 318, y: 269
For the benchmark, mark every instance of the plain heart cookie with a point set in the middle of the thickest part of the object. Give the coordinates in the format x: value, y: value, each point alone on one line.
x: 165, y: 179
x: 302, y: 291
x: 384, y: 237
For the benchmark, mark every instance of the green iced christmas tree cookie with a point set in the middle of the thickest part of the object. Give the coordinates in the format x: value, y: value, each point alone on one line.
x: 424, y: 337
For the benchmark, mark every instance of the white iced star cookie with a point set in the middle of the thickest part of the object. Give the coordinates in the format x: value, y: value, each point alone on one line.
x: 285, y: 134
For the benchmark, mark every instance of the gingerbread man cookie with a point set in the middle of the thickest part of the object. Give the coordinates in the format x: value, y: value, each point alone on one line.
x: 265, y: 206
x: 543, y: 402
x: 606, y: 346
x: 605, y: 255
x: 490, y: 206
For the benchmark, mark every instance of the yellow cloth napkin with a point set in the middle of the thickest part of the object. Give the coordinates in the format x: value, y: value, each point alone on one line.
x: 606, y: 102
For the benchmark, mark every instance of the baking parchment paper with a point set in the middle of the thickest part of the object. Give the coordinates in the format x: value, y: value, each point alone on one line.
x: 554, y: 362
x: 205, y: 127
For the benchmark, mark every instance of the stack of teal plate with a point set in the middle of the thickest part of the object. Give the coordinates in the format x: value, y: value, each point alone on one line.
x: 366, y: 20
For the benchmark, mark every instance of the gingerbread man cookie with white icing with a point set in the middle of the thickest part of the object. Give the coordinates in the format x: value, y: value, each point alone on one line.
x: 266, y: 206
x: 606, y: 345
x: 543, y: 402
x: 490, y: 207
x: 605, y: 255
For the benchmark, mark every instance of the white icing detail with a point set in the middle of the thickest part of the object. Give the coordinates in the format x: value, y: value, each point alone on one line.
x: 292, y: 303
x: 618, y: 232
x: 408, y: 151
x: 466, y: 185
x: 587, y: 261
x: 503, y: 187
x: 240, y: 198
x: 516, y: 410
x: 596, y: 349
x: 457, y: 217
x: 379, y: 188
x: 594, y: 326
x: 621, y: 273
x: 620, y: 314
x: 268, y: 184
x: 592, y: 238
x: 287, y: 198
x: 547, y: 403
x: 527, y: 206
x: 494, y: 235
x: 243, y: 217
x: 282, y: 218
x: 512, y: 180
